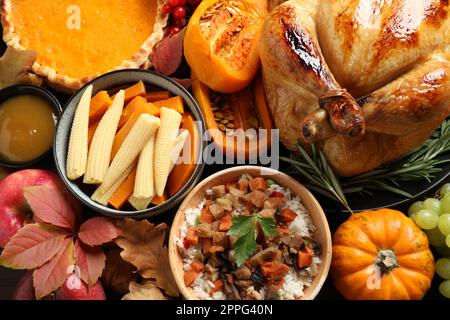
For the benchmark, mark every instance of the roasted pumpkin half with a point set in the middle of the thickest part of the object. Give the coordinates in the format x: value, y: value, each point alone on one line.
x: 221, y: 42
x: 381, y: 255
x: 233, y: 120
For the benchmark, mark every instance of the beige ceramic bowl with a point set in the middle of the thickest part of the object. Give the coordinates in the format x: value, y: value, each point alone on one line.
x: 322, y: 235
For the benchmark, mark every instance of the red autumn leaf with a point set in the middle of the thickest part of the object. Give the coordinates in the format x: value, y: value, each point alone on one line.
x: 91, y: 261
x: 49, y: 205
x: 52, y: 275
x: 97, y: 231
x: 32, y: 246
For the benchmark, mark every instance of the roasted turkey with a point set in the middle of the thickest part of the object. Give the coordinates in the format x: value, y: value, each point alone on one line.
x: 366, y: 80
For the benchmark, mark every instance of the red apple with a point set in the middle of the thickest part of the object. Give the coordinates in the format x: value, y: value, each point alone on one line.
x: 75, y: 289
x: 25, y: 289
x: 14, y: 211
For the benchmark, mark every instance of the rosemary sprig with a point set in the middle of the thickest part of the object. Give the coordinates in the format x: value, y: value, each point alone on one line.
x: 421, y: 164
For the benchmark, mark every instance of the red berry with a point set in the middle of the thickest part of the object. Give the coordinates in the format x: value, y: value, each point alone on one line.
x: 174, y: 3
x: 166, y: 9
x: 182, y: 2
x: 180, y: 23
x: 174, y: 30
x: 179, y: 12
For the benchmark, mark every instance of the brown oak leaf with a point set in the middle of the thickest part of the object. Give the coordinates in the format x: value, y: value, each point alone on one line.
x: 118, y: 273
x: 146, y: 291
x: 143, y: 246
x: 15, y: 68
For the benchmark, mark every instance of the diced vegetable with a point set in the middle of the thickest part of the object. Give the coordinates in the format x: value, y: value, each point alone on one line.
x: 257, y: 184
x: 155, y: 96
x: 135, y: 90
x: 226, y: 223
x: 124, y: 192
x: 103, y: 194
x: 183, y: 171
x: 304, y: 258
x: 132, y: 146
x: 145, y: 183
x: 166, y: 137
x: 137, y: 105
x: 206, y: 216
x: 100, y: 151
x: 100, y: 103
x: 197, y: 266
x: 78, y: 143
x: 175, y: 103
x: 218, y: 285
x: 192, y: 237
x: 287, y: 215
x: 273, y: 271
x: 189, y: 277
x: 206, y: 244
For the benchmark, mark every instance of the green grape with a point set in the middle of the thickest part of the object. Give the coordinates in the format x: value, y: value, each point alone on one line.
x: 445, y: 189
x: 415, y: 207
x: 435, y: 237
x: 444, y: 224
x: 443, y: 251
x: 443, y: 268
x: 444, y: 288
x: 447, y: 241
x: 445, y: 202
x: 426, y: 219
x: 433, y: 205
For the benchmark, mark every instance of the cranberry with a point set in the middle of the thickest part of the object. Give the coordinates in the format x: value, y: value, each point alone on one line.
x: 174, y: 3
x: 179, y: 12
x: 174, y: 30
x: 180, y: 23
x: 194, y: 2
x: 166, y: 8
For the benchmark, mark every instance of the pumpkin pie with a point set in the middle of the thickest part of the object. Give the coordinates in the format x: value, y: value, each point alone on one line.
x: 78, y: 40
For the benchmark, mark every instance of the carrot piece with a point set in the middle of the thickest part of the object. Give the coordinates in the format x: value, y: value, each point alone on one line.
x: 100, y: 103
x: 91, y: 132
x: 126, y: 128
x: 189, y: 277
x: 124, y: 192
x: 206, y: 216
x: 257, y: 184
x: 157, y: 96
x: 172, y: 103
x: 159, y: 200
x: 283, y: 231
x: 274, y: 271
x: 218, y: 284
x: 287, y: 215
x: 192, y: 237
x: 229, y: 278
x: 183, y: 171
x: 206, y: 245
x: 225, y: 223
x: 304, y: 258
x: 197, y: 266
x: 130, y: 108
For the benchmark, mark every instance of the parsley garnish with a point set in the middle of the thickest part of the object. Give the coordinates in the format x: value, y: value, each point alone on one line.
x: 245, y: 228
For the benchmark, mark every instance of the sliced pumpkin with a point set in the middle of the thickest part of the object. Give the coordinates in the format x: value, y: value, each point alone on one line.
x: 183, y: 171
x: 246, y: 109
x: 221, y: 42
x: 175, y: 103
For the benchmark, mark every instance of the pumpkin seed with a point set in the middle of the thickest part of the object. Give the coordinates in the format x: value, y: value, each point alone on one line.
x: 222, y: 127
x: 225, y: 121
x: 230, y: 125
x: 219, y: 115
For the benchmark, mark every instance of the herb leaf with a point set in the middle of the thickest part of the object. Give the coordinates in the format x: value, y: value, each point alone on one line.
x: 268, y: 226
x: 245, y: 228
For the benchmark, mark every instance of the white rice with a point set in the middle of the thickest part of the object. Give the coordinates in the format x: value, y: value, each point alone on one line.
x: 294, y: 282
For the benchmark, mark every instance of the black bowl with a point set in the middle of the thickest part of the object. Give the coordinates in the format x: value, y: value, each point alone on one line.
x: 110, y: 81
x: 17, y: 90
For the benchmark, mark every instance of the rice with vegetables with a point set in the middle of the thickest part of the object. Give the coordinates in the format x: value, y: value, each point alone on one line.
x: 251, y: 239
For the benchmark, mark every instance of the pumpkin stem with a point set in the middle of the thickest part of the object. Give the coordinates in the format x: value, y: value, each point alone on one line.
x: 386, y: 261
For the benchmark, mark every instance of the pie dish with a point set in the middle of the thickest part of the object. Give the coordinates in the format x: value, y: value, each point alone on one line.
x: 111, y: 36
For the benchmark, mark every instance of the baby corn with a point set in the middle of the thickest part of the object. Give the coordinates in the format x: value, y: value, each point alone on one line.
x: 101, y: 145
x: 165, y: 140
x: 104, y: 193
x: 140, y: 204
x: 144, y: 187
x: 177, y: 148
x: 145, y: 127
x: 78, y: 143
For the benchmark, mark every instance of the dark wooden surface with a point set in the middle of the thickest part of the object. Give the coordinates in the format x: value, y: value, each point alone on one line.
x: 9, y: 278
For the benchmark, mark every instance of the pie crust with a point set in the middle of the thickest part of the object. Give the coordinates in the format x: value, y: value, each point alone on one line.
x: 66, y: 83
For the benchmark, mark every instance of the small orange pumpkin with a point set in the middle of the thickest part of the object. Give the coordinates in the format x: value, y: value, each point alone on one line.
x: 381, y: 255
